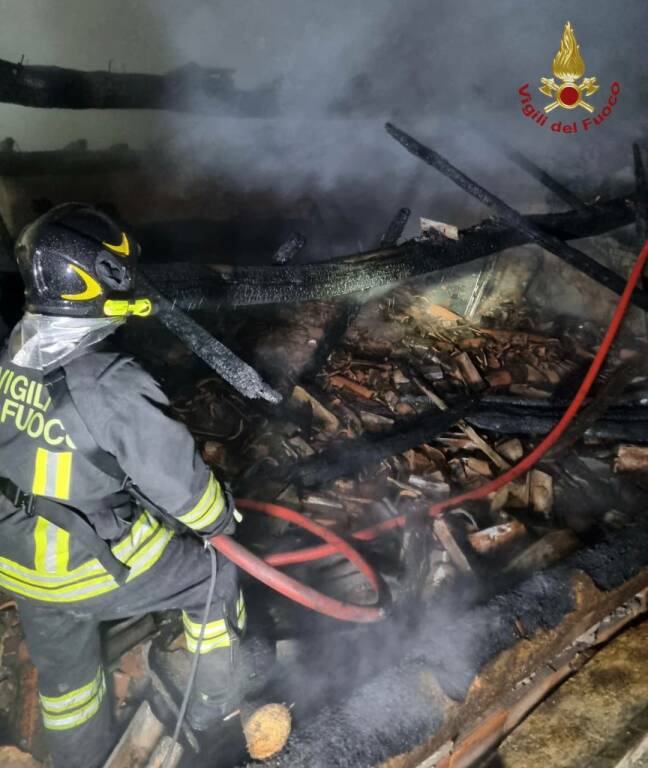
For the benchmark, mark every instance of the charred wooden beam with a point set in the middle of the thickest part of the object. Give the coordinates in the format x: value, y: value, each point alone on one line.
x: 74, y: 162
x: 210, y: 287
x: 567, y: 253
x: 190, y: 88
x: 218, y: 357
x: 349, y: 457
x: 558, y: 189
x: 395, y: 229
x: 506, y: 415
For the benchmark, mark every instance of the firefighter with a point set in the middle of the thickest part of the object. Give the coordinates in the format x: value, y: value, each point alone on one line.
x: 105, y: 497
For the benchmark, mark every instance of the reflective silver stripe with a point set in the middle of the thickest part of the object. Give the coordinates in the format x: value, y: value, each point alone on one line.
x: 241, y: 612
x: 74, y: 708
x: 212, y: 628
x: 208, y: 645
x: 150, y: 554
x: 60, y: 594
x: 140, y: 531
x: 52, y: 474
x: 87, y: 570
x: 50, y: 477
x: 216, y: 635
x: 50, y: 551
x: 141, y: 549
x: 74, y: 698
x: 210, y: 516
x: 205, y: 501
x: 210, y: 505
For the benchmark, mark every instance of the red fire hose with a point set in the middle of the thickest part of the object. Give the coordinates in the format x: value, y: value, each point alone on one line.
x: 266, y: 570
x: 292, y: 588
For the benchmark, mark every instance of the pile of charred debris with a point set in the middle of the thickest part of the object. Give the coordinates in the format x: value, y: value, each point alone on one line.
x: 391, y: 402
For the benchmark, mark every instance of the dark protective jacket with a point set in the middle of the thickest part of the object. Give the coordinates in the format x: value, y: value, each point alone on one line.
x: 78, y: 445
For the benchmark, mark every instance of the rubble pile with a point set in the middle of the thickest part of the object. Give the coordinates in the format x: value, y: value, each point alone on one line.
x: 356, y: 441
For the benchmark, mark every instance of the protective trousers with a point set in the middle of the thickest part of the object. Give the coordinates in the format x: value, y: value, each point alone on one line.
x: 64, y: 644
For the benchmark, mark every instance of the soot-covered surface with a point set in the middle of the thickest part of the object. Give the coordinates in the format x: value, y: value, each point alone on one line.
x: 399, y: 707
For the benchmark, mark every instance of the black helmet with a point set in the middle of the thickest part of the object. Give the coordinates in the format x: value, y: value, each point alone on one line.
x: 76, y: 261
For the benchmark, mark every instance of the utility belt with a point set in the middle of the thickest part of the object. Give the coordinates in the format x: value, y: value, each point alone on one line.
x: 75, y: 523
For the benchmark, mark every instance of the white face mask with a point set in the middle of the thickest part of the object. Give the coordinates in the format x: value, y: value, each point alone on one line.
x: 43, y: 341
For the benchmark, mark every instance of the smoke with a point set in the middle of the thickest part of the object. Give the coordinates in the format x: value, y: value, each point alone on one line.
x: 445, y: 71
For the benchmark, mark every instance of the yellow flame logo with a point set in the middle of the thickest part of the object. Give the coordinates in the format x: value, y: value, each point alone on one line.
x: 568, y: 63
x: 568, y: 66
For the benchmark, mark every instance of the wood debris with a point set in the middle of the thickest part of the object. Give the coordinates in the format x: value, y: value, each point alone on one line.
x: 449, y: 543
x: 340, y: 382
x: 496, y: 536
x: 12, y: 757
x: 429, y: 226
x: 469, y: 371
x: 322, y: 415
x: 541, y: 494
x: 631, y: 458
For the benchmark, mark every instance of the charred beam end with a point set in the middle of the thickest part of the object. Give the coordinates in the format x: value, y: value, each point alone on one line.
x: 527, y: 418
x: 351, y: 456
x: 218, y: 357
x: 641, y: 199
x: 288, y: 250
x: 395, y: 228
x: 539, y: 174
x: 190, y: 88
x: 567, y: 253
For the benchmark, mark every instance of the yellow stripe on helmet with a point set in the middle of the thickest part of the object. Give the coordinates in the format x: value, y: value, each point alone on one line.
x: 123, y: 248
x: 92, y: 287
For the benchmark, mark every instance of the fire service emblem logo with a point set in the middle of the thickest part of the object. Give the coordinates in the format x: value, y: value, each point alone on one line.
x: 568, y: 66
x: 570, y: 91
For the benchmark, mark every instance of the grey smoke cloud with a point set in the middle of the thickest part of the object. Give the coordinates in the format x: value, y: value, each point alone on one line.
x: 443, y: 69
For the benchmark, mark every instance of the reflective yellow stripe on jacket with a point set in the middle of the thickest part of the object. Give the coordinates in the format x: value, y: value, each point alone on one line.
x: 52, y: 474
x: 72, y: 709
x: 51, y: 579
x: 208, y: 509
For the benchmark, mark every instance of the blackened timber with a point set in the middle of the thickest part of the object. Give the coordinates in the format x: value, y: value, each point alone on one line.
x: 210, y: 287
x: 506, y: 416
x: 218, y: 357
x: 558, y: 189
x: 395, y: 229
x: 348, y: 457
x: 567, y: 253
x: 74, y: 162
x: 190, y: 88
